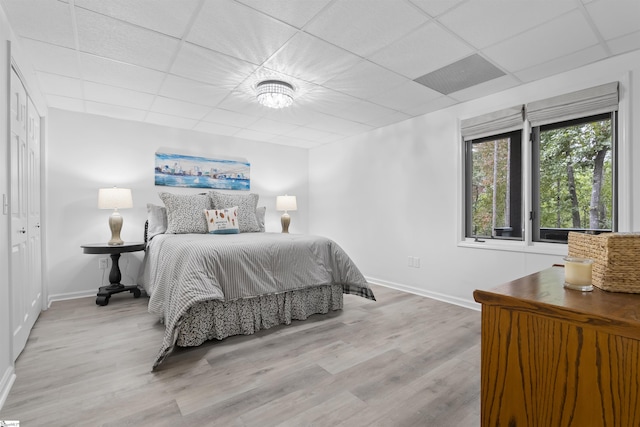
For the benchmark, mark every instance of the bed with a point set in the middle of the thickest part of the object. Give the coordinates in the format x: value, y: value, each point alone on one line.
x: 206, y: 286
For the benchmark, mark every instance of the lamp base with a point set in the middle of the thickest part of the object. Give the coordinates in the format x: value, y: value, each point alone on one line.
x: 115, y: 224
x: 285, y: 220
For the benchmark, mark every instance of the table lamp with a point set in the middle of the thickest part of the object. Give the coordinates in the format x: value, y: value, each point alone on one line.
x: 115, y: 198
x: 286, y: 203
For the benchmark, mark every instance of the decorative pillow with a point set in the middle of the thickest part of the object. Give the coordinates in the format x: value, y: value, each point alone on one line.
x: 222, y: 221
x: 185, y: 213
x: 157, y: 220
x: 246, y: 204
x: 260, y: 217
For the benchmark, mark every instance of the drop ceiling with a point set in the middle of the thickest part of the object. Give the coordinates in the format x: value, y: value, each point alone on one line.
x: 356, y: 65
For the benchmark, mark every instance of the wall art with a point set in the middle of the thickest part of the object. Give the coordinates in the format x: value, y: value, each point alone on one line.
x: 179, y: 170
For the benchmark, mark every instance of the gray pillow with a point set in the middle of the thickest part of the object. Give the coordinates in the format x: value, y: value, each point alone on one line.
x: 260, y: 217
x: 157, y: 220
x: 185, y: 213
x: 246, y: 203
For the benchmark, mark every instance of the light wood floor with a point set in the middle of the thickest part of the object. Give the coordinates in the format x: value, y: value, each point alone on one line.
x: 404, y: 360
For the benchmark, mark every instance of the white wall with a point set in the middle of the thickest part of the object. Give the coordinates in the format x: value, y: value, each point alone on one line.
x: 395, y: 192
x: 87, y: 152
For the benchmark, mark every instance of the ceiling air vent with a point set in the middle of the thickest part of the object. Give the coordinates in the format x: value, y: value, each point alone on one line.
x: 462, y: 74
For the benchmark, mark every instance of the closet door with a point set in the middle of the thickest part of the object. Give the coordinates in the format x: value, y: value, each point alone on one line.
x: 25, y: 288
x: 34, y: 242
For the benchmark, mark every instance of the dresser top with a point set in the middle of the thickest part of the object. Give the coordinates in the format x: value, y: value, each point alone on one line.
x: 543, y: 293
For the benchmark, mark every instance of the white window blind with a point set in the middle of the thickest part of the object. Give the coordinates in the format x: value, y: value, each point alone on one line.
x: 587, y: 102
x: 494, y: 123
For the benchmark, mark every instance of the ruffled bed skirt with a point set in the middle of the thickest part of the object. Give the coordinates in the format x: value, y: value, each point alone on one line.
x: 216, y: 319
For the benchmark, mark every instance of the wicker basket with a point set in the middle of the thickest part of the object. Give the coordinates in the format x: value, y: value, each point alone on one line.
x: 616, y: 259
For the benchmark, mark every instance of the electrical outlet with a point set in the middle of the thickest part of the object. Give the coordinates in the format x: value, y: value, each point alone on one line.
x: 103, y: 263
x: 414, y: 262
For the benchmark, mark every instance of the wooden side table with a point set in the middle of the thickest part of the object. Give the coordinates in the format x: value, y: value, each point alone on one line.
x: 114, y: 251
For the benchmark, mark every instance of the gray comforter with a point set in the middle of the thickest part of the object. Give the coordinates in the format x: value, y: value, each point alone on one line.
x: 181, y: 270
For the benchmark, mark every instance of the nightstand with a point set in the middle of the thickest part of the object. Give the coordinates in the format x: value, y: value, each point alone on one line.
x: 114, y: 251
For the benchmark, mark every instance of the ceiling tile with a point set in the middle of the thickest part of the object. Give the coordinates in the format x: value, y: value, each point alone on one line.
x: 326, y: 62
x: 216, y: 128
x: 165, y: 16
x: 239, y: 31
x: 296, y: 13
x: 52, y: 23
x: 486, y: 88
x: 118, y: 40
x: 254, y: 135
x: 115, y: 73
x: 405, y: 96
x: 613, y: 22
x: 65, y: 103
x: 365, y: 26
x: 337, y: 125
x: 53, y: 84
x: 395, y: 117
x: 313, y: 135
x: 170, y: 121
x: 436, y: 7
x: 174, y: 107
x: 293, y: 141
x: 115, y: 111
x: 625, y: 44
x: 543, y: 43
x: 51, y: 58
x: 231, y: 118
x: 212, y: 67
x: 271, y: 126
x: 424, y: 50
x: 365, y: 80
x: 500, y: 19
x: 117, y: 96
x: 192, y: 91
x: 430, y: 106
x: 563, y: 63
x: 364, y: 112
x: 242, y: 102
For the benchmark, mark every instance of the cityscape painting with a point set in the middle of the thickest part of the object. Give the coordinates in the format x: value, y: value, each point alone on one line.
x: 178, y: 170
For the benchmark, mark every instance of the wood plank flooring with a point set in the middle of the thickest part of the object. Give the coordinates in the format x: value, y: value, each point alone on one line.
x: 403, y: 360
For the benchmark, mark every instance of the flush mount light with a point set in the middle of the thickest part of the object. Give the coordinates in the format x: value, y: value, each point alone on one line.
x: 275, y: 93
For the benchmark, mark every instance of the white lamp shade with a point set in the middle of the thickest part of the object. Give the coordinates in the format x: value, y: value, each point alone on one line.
x: 286, y: 203
x: 114, y: 198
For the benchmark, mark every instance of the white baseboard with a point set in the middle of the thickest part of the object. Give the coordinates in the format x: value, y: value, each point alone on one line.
x: 6, y: 382
x: 434, y: 295
x: 70, y: 295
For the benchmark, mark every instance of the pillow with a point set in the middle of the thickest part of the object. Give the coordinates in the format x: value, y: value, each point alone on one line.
x: 222, y: 221
x: 260, y: 217
x: 246, y: 204
x: 185, y: 213
x: 157, y: 220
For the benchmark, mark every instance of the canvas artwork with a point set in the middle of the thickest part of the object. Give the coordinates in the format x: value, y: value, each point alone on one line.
x: 178, y: 170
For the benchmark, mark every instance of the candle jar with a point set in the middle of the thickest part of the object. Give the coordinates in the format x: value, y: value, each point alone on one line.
x: 577, y: 273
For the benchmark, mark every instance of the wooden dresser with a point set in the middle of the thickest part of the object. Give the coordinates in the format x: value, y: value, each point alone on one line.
x: 558, y: 357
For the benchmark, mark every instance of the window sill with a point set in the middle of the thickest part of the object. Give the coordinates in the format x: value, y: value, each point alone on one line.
x: 517, y: 246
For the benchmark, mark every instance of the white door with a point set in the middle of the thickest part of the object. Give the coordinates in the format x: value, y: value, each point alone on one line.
x: 25, y: 300
x: 34, y: 242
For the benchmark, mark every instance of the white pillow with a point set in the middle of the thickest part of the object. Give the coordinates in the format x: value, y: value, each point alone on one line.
x: 260, y: 211
x: 246, y: 203
x: 222, y: 221
x: 157, y: 220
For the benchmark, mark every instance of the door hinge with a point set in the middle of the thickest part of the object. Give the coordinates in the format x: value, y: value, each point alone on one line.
x: 532, y: 215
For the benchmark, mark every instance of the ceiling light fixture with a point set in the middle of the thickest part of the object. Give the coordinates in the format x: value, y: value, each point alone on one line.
x: 275, y: 93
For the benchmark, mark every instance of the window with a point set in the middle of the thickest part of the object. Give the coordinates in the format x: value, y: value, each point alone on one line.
x: 563, y: 179
x: 494, y: 186
x: 573, y: 177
